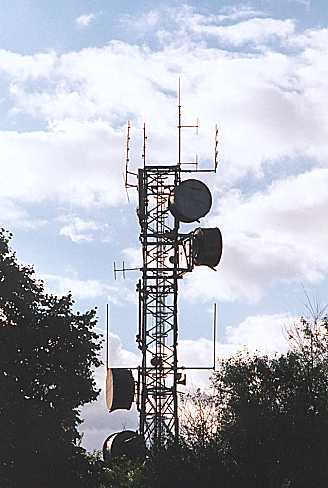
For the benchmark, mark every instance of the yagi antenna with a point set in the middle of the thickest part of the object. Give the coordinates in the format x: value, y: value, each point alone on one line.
x: 127, y: 161
x: 182, y: 126
x: 216, y: 148
x: 144, y: 145
x: 119, y: 270
x: 126, y: 188
x: 196, y: 126
x: 213, y: 367
x: 122, y: 270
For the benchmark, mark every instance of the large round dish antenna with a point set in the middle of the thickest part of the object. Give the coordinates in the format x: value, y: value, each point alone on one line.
x: 190, y: 201
x: 207, y: 247
x: 119, y: 389
x: 126, y: 443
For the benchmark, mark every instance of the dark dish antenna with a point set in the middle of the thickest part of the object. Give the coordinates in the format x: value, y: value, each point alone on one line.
x: 165, y: 201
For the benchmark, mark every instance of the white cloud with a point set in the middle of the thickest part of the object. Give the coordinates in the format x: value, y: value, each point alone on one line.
x: 266, y: 334
x: 272, y: 103
x: 81, y: 289
x: 305, y: 3
x: 172, y: 24
x: 278, y: 235
x: 28, y: 67
x: 85, y: 20
x: 263, y: 334
x: 78, y: 163
x: 237, y: 27
x: 89, y: 288
x: 133, y: 256
x: 237, y: 12
x: 144, y: 22
x: 257, y: 31
x: 14, y: 216
x: 272, y: 108
x: 80, y: 230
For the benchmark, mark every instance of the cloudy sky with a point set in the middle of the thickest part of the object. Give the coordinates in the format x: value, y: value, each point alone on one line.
x: 73, y: 73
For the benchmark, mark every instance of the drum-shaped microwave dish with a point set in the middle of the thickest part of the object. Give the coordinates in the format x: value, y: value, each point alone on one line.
x: 207, y: 246
x: 120, y: 388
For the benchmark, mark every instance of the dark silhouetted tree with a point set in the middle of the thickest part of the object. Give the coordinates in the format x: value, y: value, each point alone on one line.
x: 274, y: 414
x: 47, y: 356
x: 264, y: 425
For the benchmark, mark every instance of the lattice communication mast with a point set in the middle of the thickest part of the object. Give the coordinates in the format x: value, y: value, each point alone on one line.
x: 165, y: 200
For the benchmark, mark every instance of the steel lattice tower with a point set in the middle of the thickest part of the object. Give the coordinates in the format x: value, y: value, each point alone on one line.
x: 158, y: 298
x: 167, y: 254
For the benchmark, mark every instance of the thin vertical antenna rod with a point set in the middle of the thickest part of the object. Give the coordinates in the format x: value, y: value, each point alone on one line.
x: 214, y: 337
x: 216, y: 151
x: 128, y: 173
x: 182, y: 126
x: 179, y: 123
x: 144, y: 145
x: 127, y: 160
x: 107, y: 334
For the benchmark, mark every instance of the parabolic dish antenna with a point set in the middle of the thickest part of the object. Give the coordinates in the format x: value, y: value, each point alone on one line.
x: 190, y: 201
x: 126, y: 443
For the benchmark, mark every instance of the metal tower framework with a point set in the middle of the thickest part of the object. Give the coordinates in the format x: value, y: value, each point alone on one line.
x: 167, y: 256
x: 158, y: 301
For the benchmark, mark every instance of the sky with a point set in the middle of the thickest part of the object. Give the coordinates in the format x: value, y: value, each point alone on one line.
x: 73, y: 73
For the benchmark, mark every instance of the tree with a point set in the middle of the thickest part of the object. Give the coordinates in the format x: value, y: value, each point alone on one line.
x: 123, y: 473
x: 265, y: 425
x: 47, y: 354
x: 274, y: 414
x: 198, y: 419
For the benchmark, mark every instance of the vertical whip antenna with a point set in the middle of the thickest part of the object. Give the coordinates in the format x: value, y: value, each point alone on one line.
x: 128, y: 173
x: 214, y: 336
x: 183, y: 126
x: 144, y: 145
x: 107, y: 335
x: 127, y: 159
x: 216, y: 148
x: 179, y: 123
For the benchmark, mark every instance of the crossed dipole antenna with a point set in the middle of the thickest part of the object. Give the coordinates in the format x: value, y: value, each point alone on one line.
x: 130, y: 176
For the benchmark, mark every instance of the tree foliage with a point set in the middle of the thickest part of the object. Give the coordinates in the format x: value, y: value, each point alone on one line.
x: 274, y: 412
x: 47, y: 354
x: 123, y: 473
x: 265, y: 424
